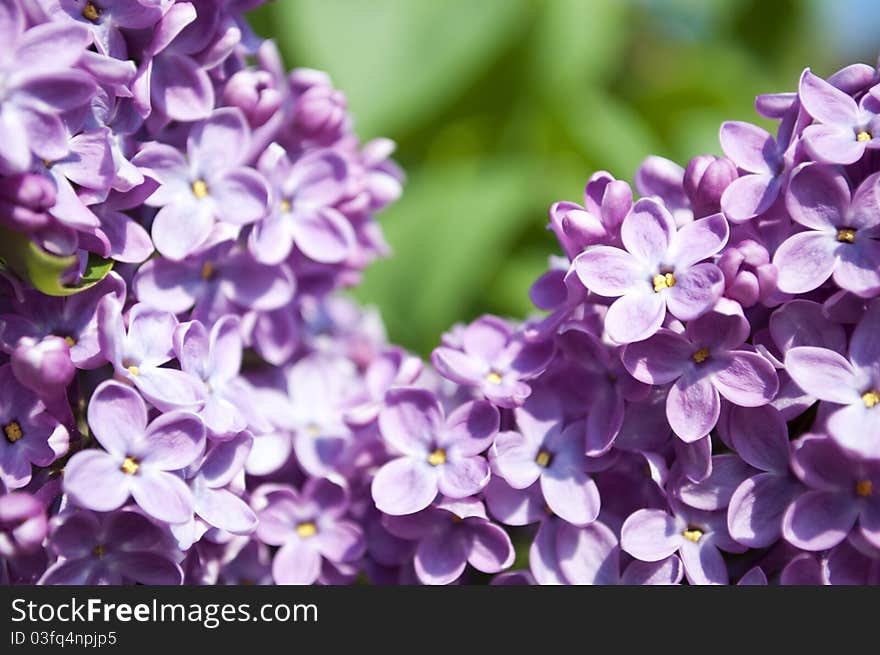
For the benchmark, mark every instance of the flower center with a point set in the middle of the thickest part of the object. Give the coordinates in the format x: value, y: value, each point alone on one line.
x: 91, y: 12
x: 200, y: 188
x: 494, y: 377
x: 871, y: 398
x: 70, y: 341
x: 663, y: 281
x: 313, y: 429
x: 306, y: 529
x: 134, y: 370
x: 208, y: 271
x: 846, y: 235
x: 437, y: 458
x: 130, y: 465
x: 13, y: 431
x: 864, y: 135
x: 693, y: 534
x: 544, y: 458
x: 284, y: 206
x: 701, y: 355
x: 99, y: 551
x: 864, y: 488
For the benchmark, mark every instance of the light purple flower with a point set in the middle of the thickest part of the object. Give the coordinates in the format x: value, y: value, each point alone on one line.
x: 658, y: 269
x: 842, y: 233
x: 106, y: 19
x: 495, y: 359
x: 310, y: 527
x: 138, y: 459
x: 437, y: 453
x: 705, y: 363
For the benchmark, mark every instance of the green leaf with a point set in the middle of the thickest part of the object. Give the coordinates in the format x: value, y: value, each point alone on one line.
x: 400, y: 62
x: 42, y: 269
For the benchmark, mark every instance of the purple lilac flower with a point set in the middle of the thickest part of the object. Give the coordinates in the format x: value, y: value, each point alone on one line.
x: 659, y: 268
x: 437, y: 453
x: 705, y: 363
x: 139, y: 458
x: 309, y: 527
x: 106, y: 20
x: 44, y: 367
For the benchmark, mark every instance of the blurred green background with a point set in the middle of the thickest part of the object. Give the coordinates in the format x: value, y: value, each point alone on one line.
x: 501, y: 107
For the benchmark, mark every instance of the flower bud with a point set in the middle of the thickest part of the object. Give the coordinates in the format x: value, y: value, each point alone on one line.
x: 43, y: 366
x: 705, y: 179
x: 255, y: 94
x: 320, y: 114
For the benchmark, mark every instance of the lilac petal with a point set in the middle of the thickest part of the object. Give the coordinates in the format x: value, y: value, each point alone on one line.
x: 410, y: 420
x: 464, y: 477
x: 663, y: 572
x: 94, y: 479
x: 343, y: 541
x: 825, y: 103
x: 714, y: 493
x: 457, y: 366
x: 169, y: 285
x: 325, y: 236
x: 746, y: 379
x: 486, y: 338
x: 805, y: 261
x: 117, y: 417
x: 858, y: 269
x: 635, y: 316
x: 441, y: 559
x: 241, y: 196
x: 254, y: 285
x: 803, y: 323
x: 823, y: 373
x: 491, y: 549
x: 225, y: 460
x: 818, y: 197
x: 753, y: 578
x: 296, y: 563
x: 69, y: 572
x: 869, y: 523
x: 609, y: 271
x: 148, y: 568
x: 692, y: 408
x: 856, y: 428
x: 819, y: 520
x: 271, y: 240
x: 220, y: 142
x: 513, y: 458
x: 703, y: 564
x: 129, y: 241
x: 162, y: 495
x: 695, y: 291
x: 588, y: 555
x: 650, y: 535
x: 647, y: 231
x: 226, y: 348
x: 514, y: 506
x: 748, y: 146
x: 180, y: 228
x: 749, y: 196
x: 760, y: 436
x: 699, y: 240
x: 173, y: 441
x: 168, y: 388
x: 833, y: 144
x: 543, y: 558
x: 755, y: 511
x: 180, y: 89
x: 804, y: 569
x: 470, y: 429
x: 660, y: 359
x: 603, y: 421
x: 572, y: 495
x: 404, y: 486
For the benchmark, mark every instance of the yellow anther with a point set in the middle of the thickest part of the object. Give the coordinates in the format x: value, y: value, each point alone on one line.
x: 70, y: 341
x: 864, y: 488
x: 134, y: 370
x: 207, y: 271
x: 284, y: 206
x: 871, y: 398
x: 91, y: 12
x: 693, y: 534
x: 200, y: 188
x: 663, y: 281
x: 701, y: 355
x: 99, y: 551
x: 846, y: 235
x: 543, y: 459
x: 306, y: 530
x: 130, y: 466
x: 13, y: 431
x: 437, y: 458
x: 863, y: 136
x: 494, y: 377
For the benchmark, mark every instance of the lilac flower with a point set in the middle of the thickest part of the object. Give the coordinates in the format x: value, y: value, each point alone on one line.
x: 450, y: 535
x: 705, y: 363
x: 30, y: 434
x: 109, y: 549
x: 438, y: 453
x: 137, y: 354
x: 138, y: 457
x: 547, y: 450
x: 44, y: 367
x: 659, y: 268
x: 495, y: 360
x: 310, y: 527
x: 650, y: 535
x: 852, y: 385
x: 844, y: 129
x: 208, y: 184
x: 843, y: 492
x: 23, y: 524
x: 106, y: 19
x: 841, y: 239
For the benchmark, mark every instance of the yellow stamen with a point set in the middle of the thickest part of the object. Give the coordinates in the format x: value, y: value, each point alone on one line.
x: 437, y: 458
x: 207, y: 271
x: 313, y: 430
x: 13, y: 431
x: 543, y: 459
x: 99, y: 551
x: 693, y: 534
x: 494, y: 377
x: 130, y: 466
x: 663, y: 281
x: 71, y: 342
x: 863, y: 136
x: 200, y: 188
x: 871, y: 398
x: 864, y: 488
x: 701, y: 355
x: 91, y: 12
x: 846, y: 235
x: 306, y: 530
x: 284, y: 206
x: 134, y: 370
